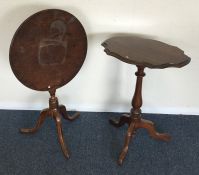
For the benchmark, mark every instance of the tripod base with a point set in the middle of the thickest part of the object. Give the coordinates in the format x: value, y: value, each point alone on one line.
x: 56, y: 114
x: 134, y: 125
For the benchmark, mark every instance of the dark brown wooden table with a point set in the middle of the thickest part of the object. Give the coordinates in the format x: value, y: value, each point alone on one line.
x: 47, y: 51
x: 142, y: 53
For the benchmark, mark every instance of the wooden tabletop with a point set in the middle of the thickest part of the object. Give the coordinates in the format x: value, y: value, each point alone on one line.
x: 145, y: 52
x: 48, y: 49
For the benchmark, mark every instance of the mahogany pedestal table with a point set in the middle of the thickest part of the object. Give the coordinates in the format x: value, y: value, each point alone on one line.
x: 46, y: 52
x: 142, y: 53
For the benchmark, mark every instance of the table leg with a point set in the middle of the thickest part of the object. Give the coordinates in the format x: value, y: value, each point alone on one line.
x: 121, y: 121
x: 64, y: 148
x: 130, y: 132
x: 65, y: 115
x: 55, y: 111
x: 135, y: 122
x: 149, y: 126
x: 40, y: 121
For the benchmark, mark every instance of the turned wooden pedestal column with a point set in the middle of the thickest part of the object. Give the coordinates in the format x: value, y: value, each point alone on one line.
x: 134, y: 119
x: 142, y: 53
x: 55, y: 111
x: 46, y: 52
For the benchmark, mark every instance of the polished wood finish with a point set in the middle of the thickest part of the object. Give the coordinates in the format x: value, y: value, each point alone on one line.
x: 48, y: 49
x: 46, y: 52
x: 134, y: 120
x: 143, y: 53
x: 55, y: 111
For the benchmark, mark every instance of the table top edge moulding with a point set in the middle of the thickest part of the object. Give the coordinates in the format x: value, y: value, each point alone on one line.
x: 142, y: 53
x: 50, y: 47
x: 47, y: 51
x: 145, y: 52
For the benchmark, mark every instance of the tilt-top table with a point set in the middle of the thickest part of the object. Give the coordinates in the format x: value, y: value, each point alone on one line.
x: 46, y: 52
x: 142, y: 53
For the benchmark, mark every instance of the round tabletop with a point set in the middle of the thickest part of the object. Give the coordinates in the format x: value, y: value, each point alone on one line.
x: 48, y: 49
x: 145, y: 52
